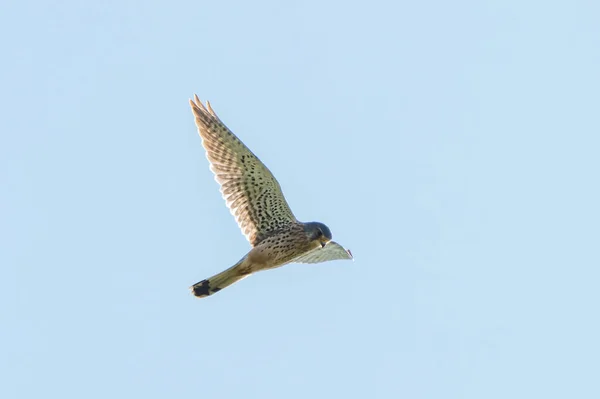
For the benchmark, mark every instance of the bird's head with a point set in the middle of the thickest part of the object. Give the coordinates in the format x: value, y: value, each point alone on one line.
x: 317, y: 231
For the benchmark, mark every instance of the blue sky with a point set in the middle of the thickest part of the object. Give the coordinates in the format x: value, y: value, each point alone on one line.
x: 453, y: 146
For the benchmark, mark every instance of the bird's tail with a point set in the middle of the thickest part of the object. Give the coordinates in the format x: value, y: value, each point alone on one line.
x: 219, y: 281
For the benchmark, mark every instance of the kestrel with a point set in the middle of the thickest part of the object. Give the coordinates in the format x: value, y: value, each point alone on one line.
x: 256, y: 201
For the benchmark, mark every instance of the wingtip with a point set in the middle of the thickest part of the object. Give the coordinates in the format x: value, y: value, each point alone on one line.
x: 196, y: 104
x: 210, y: 108
x: 194, y: 101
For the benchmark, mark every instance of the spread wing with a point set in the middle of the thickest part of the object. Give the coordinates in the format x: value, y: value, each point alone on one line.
x: 331, y: 251
x: 250, y: 191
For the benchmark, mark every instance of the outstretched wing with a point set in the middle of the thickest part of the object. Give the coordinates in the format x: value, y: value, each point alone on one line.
x: 250, y: 191
x: 331, y: 251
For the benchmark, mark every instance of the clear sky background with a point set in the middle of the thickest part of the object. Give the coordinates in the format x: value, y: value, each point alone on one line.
x: 453, y: 146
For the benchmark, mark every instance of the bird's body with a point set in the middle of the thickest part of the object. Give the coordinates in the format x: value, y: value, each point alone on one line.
x: 281, y: 247
x: 256, y: 201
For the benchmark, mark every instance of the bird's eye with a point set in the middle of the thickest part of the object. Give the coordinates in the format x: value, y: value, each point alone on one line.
x: 319, y: 233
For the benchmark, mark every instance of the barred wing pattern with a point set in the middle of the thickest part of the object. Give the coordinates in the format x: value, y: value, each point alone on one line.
x: 331, y: 251
x: 250, y: 190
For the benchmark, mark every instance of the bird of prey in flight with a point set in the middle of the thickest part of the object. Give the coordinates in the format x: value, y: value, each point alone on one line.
x: 256, y: 201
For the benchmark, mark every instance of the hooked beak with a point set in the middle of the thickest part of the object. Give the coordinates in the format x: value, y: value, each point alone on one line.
x: 323, y: 244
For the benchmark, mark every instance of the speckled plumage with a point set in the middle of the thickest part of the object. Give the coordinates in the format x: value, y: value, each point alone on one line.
x: 255, y: 199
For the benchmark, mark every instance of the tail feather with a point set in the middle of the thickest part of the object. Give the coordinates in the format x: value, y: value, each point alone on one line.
x: 219, y: 281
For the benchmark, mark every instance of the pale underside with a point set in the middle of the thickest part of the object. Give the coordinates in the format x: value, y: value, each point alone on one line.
x: 331, y: 251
